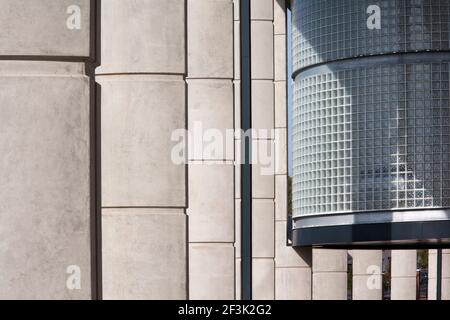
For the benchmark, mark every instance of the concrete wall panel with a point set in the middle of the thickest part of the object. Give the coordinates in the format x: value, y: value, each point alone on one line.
x: 263, y: 222
x: 281, y: 198
x: 280, y: 58
x: 329, y: 274
x: 367, y: 274
x: 279, y: 16
x: 364, y: 287
x: 280, y: 104
x: 45, y: 190
x: 263, y: 107
x: 330, y: 286
x: 211, y: 110
x: 211, y: 202
x: 45, y: 28
x: 142, y: 36
x: 293, y: 284
x: 211, y: 271
x: 144, y: 254
x: 139, y: 114
x: 263, y: 169
x: 263, y: 279
x: 286, y: 256
x: 403, y: 274
x: 262, y: 50
x: 261, y: 9
x: 210, y: 39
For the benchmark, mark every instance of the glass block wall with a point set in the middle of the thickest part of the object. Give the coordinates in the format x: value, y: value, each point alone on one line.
x: 371, y: 132
x: 325, y: 30
x: 372, y: 138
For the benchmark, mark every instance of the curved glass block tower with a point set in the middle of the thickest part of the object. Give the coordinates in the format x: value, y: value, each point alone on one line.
x: 371, y: 122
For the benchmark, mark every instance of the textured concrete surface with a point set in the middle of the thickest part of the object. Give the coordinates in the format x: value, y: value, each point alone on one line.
x: 263, y: 169
x: 211, y: 271
x: 360, y: 287
x: 263, y: 279
x: 144, y: 254
x: 237, y: 223
x: 211, y: 202
x: 293, y: 278
x: 142, y: 78
x: 281, y: 115
x: 210, y: 39
x: 281, y: 151
x: 45, y: 188
x: 279, y: 16
x: 329, y: 286
x: 403, y: 288
x: 367, y: 274
x: 263, y: 107
x: 40, y: 28
x: 139, y: 114
x: 280, y: 57
x: 329, y: 260
x: 238, y: 281
x: 329, y: 274
x: 281, y: 197
x: 263, y: 228
x: 262, y: 50
x: 286, y: 256
x: 261, y: 9
x: 403, y: 274
x: 143, y: 36
x: 210, y: 111
x: 293, y: 284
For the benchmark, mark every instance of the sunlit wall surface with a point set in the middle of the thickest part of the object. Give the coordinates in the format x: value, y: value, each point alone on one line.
x: 325, y: 30
x: 371, y: 122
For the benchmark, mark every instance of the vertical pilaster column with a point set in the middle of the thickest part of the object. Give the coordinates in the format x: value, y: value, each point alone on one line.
x: 367, y: 274
x: 263, y: 155
x: 143, y: 102
x: 45, y: 148
x: 329, y: 274
x: 403, y: 274
x: 432, y: 275
x: 292, y: 266
x: 211, y: 162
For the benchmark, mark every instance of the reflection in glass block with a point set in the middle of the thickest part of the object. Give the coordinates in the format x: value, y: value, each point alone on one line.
x: 350, y: 156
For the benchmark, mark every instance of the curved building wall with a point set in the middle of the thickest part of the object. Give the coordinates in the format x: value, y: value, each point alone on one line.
x: 326, y: 30
x: 371, y: 129
x: 46, y: 117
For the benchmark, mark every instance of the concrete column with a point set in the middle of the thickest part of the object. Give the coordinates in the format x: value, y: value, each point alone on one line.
x: 292, y: 266
x: 45, y: 189
x: 329, y: 269
x: 263, y: 157
x: 403, y: 274
x: 432, y: 275
x: 143, y: 101
x: 212, y: 261
x: 367, y: 274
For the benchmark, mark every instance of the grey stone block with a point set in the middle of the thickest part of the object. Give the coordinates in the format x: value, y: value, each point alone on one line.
x: 144, y: 254
x: 45, y: 190
x: 45, y: 28
x: 211, y: 271
x: 210, y: 39
x: 143, y: 36
x: 139, y: 116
